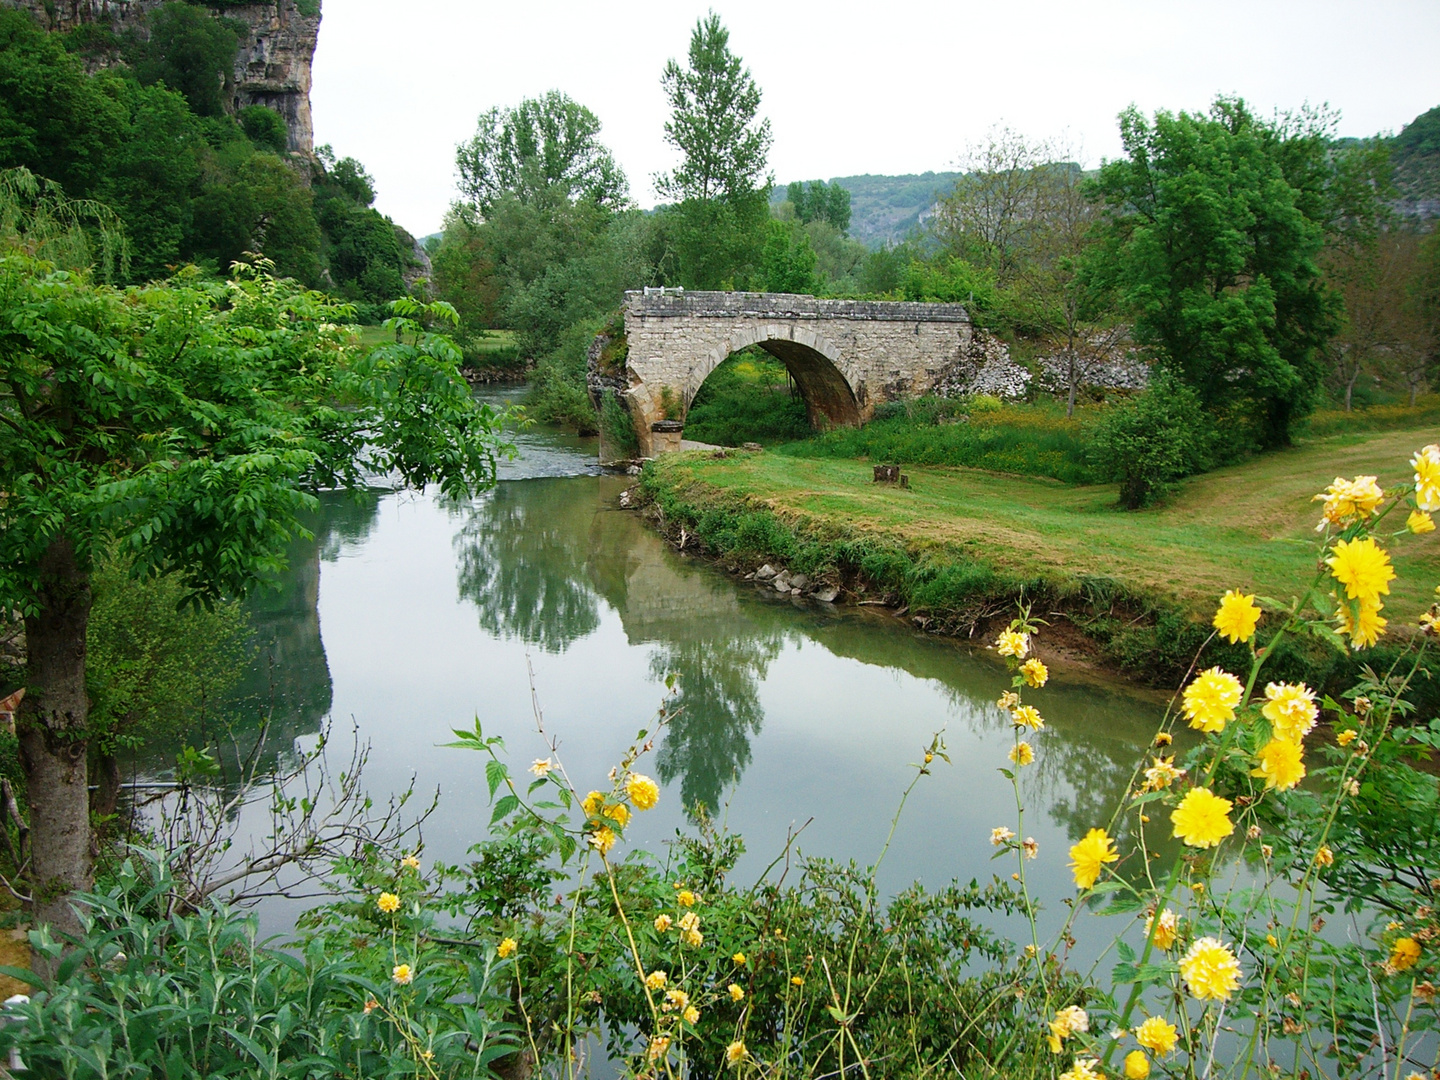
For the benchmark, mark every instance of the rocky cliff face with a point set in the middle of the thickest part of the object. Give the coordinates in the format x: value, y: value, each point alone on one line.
x: 272, y: 65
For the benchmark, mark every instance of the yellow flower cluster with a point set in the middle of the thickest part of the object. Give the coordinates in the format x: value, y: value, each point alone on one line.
x: 1291, y: 710
x: 1426, y: 464
x: 506, y: 948
x: 1035, y: 673
x: 1282, y: 764
x: 1237, y: 616
x: 1137, y: 1065
x: 644, y: 793
x: 1083, y: 1069
x: 1157, y: 1035
x: 1349, y: 500
x: 1022, y: 753
x: 1404, y: 954
x: 1161, y: 773
x: 1013, y: 643
x: 656, y: 980
x: 1089, y: 856
x: 1210, y: 970
x: 1210, y: 700
x: 1363, y: 568
x: 1202, y: 819
x: 1166, y: 931
x: 1067, y: 1022
x: 1027, y: 716
x: 389, y: 903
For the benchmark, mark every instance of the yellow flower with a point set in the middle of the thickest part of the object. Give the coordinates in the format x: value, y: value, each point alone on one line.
x: 618, y: 813
x: 1346, y: 499
x: 735, y: 1052
x: 541, y: 765
x: 1162, y: 773
x: 690, y: 921
x: 1088, y: 857
x: 1364, y: 626
x: 1157, y: 1035
x: 1164, y: 738
x: 1426, y: 464
x: 592, y: 804
x: 1210, y: 699
x: 1168, y: 929
x: 1027, y: 716
x: 1035, y: 672
x: 1420, y: 523
x: 1137, y: 1065
x: 656, y: 980
x: 659, y: 1046
x: 506, y: 948
x: 1067, y: 1021
x: 1404, y: 953
x: 1210, y: 970
x: 1013, y: 643
x: 1363, y: 567
x: 1282, y: 764
x: 389, y: 903
x: 693, y: 938
x: 738, y: 958
x: 663, y: 923
x: 410, y: 862
x: 1202, y: 819
x: 1345, y: 738
x: 1022, y: 753
x: 1082, y: 1069
x: 603, y: 839
x: 371, y: 1005
x: 1030, y: 846
x: 1237, y: 616
x: 692, y: 1016
x: 1290, y: 708
x: 685, y: 898
x: 736, y: 992
x: 676, y: 1000
x: 1324, y: 856
x: 643, y: 791
x: 1001, y: 835
x: 796, y: 980
x: 402, y: 974
x: 1008, y: 701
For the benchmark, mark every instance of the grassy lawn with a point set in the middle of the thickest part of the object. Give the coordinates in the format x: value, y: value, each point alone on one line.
x: 1249, y: 526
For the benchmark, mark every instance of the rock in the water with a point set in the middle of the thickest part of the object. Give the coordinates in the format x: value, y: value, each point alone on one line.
x: 633, y: 470
x: 781, y: 585
x: 625, y: 499
x: 783, y: 578
x: 799, y: 581
x: 765, y: 573
x: 827, y: 593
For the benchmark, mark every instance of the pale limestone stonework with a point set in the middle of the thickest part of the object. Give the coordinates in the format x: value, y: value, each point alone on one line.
x: 846, y: 356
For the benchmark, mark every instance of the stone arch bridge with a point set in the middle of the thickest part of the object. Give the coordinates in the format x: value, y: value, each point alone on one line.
x: 846, y: 356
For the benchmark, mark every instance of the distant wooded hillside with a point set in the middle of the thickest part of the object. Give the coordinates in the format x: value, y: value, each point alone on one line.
x: 884, y: 209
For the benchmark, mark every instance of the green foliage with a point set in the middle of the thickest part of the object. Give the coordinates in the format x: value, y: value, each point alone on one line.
x: 1217, y: 221
x: 196, y: 994
x: 747, y: 399
x: 190, y: 51
x: 617, y: 427
x: 787, y: 261
x: 543, y: 149
x: 157, y: 668
x: 817, y: 201
x: 1325, y: 422
x: 1029, y: 440
x: 265, y: 128
x: 1153, y: 440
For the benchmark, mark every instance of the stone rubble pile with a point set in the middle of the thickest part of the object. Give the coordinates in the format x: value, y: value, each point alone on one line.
x: 788, y: 584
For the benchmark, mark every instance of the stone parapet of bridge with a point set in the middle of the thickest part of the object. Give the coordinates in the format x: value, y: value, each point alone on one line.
x: 846, y: 356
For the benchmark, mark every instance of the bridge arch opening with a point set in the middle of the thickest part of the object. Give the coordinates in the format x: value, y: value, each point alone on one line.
x: 812, y: 365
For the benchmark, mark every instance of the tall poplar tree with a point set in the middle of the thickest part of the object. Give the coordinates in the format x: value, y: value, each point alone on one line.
x: 721, y: 187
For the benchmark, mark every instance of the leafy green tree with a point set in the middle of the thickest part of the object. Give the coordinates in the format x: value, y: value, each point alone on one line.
x: 264, y: 127
x: 787, y: 262
x: 184, y: 425
x: 721, y: 186
x: 1148, y: 443
x: 529, y: 151
x: 818, y: 201
x: 189, y: 50
x: 1216, y: 224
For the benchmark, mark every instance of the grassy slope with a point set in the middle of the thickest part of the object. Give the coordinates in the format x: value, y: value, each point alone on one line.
x: 1237, y: 527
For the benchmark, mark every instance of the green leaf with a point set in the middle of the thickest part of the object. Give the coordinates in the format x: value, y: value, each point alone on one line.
x: 495, y: 774
x: 503, y: 806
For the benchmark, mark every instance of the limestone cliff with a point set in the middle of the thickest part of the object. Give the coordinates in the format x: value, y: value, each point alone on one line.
x: 272, y: 65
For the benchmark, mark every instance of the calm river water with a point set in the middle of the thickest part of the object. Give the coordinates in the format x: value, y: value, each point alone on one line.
x: 410, y: 617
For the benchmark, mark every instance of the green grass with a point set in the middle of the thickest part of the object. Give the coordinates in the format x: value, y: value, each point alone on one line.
x: 1426, y: 410
x: 960, y: 538
x: 1030, y: 440
x: 488, y: 348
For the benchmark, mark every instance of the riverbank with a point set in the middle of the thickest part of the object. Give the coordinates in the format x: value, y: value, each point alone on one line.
x: 959, y: 548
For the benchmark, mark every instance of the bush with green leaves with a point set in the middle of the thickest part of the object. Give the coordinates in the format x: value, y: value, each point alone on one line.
x: 1151, y: 441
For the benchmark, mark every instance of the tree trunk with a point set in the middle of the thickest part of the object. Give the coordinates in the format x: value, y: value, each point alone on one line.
x: 1350, y: 389
x: 1073, y: 377
x: 108, y: 782
x: 52, y: 729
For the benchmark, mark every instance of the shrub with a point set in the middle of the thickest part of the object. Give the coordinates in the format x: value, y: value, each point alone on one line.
x: 1156, y: 438
x: 617, y: 428
x: 265, y: 128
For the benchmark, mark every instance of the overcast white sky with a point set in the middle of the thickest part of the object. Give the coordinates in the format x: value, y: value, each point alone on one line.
x: 892, y: 86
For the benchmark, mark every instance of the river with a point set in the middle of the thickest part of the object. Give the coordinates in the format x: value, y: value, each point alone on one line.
x: 409, y: 617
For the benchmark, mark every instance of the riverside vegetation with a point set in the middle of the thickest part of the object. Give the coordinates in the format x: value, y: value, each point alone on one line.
x: 1217, y: 872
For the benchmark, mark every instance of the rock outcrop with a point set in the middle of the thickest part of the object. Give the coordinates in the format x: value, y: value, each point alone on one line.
x: 272, y: 65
